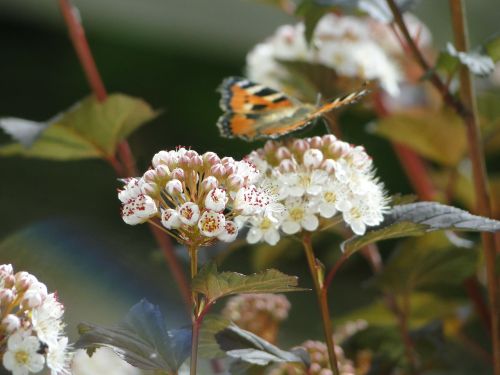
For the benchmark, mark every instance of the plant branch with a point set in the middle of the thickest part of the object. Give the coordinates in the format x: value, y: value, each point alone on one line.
x: 197, y: 315
x: 321, y: 294
x: 467, y: 94
x: 127, y: 166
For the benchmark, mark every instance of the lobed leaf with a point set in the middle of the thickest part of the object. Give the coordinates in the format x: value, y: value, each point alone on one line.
x: 89, y: 129
x: 215, y: 285
x: 141, y: 339
x: 428, y: 133
x: 418, y: 218
x: 250, y: 348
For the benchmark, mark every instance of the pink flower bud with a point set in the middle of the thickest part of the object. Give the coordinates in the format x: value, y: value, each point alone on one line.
x: 313, y: 158
x: 6, y: 296
x: 300, y: 145
x: 184, y: 161
x: 160, y: 158
x: 218, y: 170
x: 6, y: 270
x: 287, y: 166
x: 211, y: 158
x: 235, y: 182
x: 191, y: 154
x: 32, y: 298
x: 339, y: 149
x: 8, y: 281
x: 174, y: 186
x: 162, y: 171
x: 209, y: 183
x: 230, y: 168
x: 150, y: 176
x: 328, y: 165
x: 283, y: 153
x: 227, y: 160
x: 316, y: 142
x: 24, y: 280
x: 177, y: 174
x: 328, y: 139
x: 11, y: 323
x: 149, y: 188
x: 269, y: 147
x: 196, y: 162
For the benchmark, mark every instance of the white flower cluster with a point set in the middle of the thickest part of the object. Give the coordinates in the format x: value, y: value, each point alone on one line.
x: 343, y: 43
x: 198, y: 198
x: 317, y: 178
x: 318, y: 353
x: 31, y: 327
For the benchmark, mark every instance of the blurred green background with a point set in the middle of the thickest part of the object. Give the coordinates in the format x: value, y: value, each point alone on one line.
x: 61, y: 222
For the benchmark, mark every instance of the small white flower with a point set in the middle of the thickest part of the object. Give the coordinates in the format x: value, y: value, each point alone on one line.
x: 22, y: 355
x: 216, y: 199
x: 229, y: 233
x: 170, y: 218
x: 46, y: 319
x: 58, y: 357
x: 299, y: 216
x: 139, y: 209
x: 263, y: 228
x: 247, y: 170
x: 189, y: 213
x: 212, y: 223
x: 298, y: 184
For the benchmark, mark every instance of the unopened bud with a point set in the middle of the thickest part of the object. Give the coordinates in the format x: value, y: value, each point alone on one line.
x: 300, y: 145
x: 287, y: 166
x: 184, y: 161
x: 6, y: 270
x: 196, y: 162
x: 174, y: 186
x: 210, y: 158
x: 150, y: 175
x: 8, y: 281
x: 283, y: 153
x: 11, y: 323
x: 178, y: 174
x: 235, y: 182
x: 160, y: 158
x: 313, y: 158
x: 209, y: 183
x: 24, y: 280
x: 339, y: 149
x: 32, y: 298
x: 162, y: 171
x: 269, y: 147
x: 328, y: 139
x: 328, y: 165
x: 6, y: 296
x: 218, y: 170
x: 227, y: 160
x: 149, y: 188
x: 316, y: 142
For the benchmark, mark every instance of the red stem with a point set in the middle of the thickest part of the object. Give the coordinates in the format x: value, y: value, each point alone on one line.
x: 127, y: 165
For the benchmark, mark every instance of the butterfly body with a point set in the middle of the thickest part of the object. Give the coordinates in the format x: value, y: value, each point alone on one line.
x: 254, y: 111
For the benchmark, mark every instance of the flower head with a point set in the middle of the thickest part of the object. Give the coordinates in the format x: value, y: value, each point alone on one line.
x: 317, y: 179
x: 197, y: 197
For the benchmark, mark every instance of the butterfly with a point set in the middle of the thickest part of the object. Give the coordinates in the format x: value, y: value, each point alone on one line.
x: 254, y: 111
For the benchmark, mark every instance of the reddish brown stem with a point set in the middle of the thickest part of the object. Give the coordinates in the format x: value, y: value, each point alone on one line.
x: 127, y: 165
x: 476, y: 154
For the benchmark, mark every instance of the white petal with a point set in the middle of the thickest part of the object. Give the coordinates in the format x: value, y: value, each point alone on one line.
x: 189, y: 213
x: 9, y: 361
x: 254, y: 235
x: 211, y: 223
x: 290, y: 227
x: 230, y: 232
x: 296, y: 191
x: 358, y: 227
x: 327, y: 210
x: 314, y: 189
x: 170, y: 219
x: 272, y: 237
x: 36, y: 362
x: 310, y: 223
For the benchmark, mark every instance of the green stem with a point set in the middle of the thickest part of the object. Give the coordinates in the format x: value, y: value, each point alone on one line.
x: 483, y: 201
x: 321, y: 294
x: 196, y: 318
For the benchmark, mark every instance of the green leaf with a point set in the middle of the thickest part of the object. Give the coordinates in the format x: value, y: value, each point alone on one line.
x: 492, y: 48
x: 447, y: 63
x: 215, y: 285
x: 250, y: 348
x: 424, y: 308
x: 89, y: 129
x: 207, y: 345
x: 418, y: 218
x: 428, y: 133
x: 141, y: 339
x: 312, y: 11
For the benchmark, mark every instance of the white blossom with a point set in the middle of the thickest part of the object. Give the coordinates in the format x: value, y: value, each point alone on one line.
x: 58, y: 359
x: 229, y: 233
x: 216, y: 199
x: 170, y: 218
x: 22, y: 355
x: 189, y: 213
x: 212, y: 223
x: 299, y: 216
x: 262, y: 228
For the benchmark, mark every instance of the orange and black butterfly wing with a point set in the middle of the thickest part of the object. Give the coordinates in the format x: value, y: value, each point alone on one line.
x: 247, y: 104
x: 254, y: 111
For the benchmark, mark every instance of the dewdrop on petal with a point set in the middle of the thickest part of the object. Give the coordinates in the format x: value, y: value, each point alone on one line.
x: 198, y: 198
